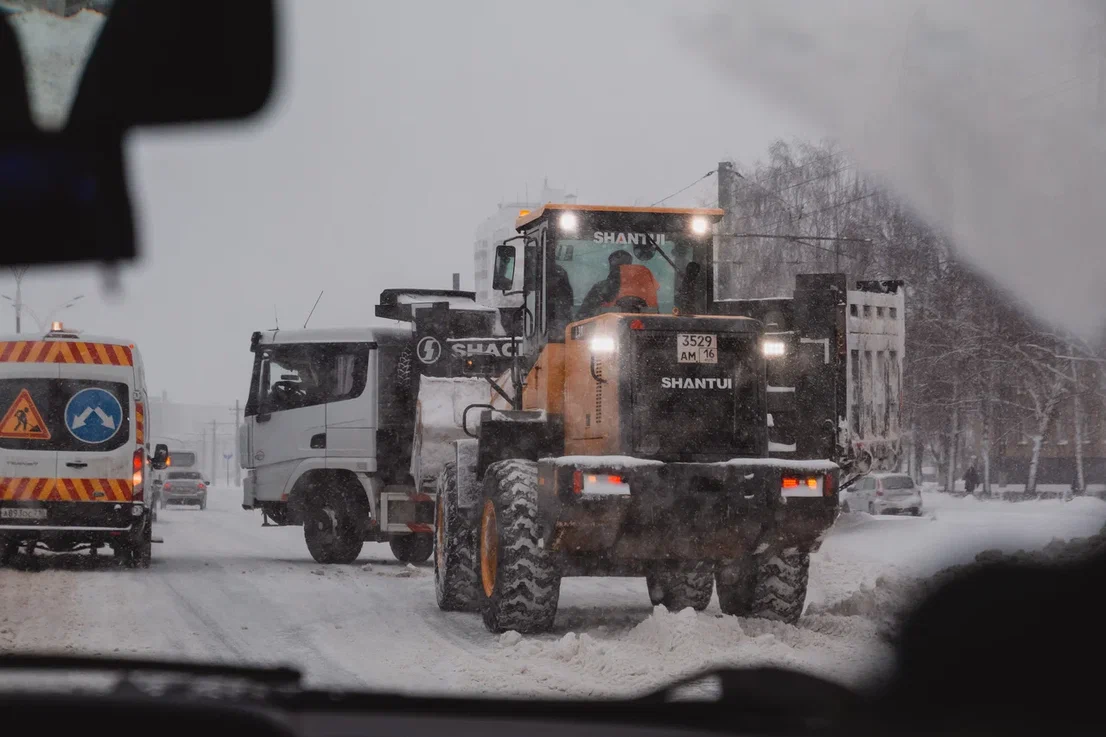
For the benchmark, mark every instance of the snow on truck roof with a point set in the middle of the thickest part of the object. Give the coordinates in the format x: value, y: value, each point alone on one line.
x: 336, y: 335
x: 530, y: 216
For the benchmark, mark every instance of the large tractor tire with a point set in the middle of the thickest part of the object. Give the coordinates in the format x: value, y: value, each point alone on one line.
x: 519, y: 584
x: 781, y: 586
x: 456, y: 575
x: 415, y: 547
x: 736, y: 583
x: 772, y: 586
x: 331, y: 527
x: 688, y: 585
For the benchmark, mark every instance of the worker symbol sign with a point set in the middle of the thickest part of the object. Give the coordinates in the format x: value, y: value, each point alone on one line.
x: 23, y: 420
x: 93, y: 415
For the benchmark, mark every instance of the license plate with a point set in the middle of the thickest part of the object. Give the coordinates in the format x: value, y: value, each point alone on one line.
x: 22, y: 513
x: 696, y: 348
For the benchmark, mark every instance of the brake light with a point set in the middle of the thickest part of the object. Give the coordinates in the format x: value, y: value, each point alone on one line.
x: 166, y: 485
x: 599, y: 484
x: 200, y: 486
x: 879, y: 489
x: 790, y: 482
x: 138, y: 464
x: 829, y: 485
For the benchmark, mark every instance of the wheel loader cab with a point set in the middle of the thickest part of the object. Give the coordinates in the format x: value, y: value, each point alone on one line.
x: 607, y: 292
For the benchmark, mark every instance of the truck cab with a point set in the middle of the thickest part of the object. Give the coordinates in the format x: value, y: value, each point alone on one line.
x: 326, y: 441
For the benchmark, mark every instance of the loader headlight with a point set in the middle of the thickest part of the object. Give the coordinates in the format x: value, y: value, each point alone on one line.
x: 602, y: 344
x: 699, y: 226
x: 568, y: 222
x: 773, y: 348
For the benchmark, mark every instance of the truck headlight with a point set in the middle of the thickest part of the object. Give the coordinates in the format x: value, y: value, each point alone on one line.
x: 602, y: 344
x: 773, y: 348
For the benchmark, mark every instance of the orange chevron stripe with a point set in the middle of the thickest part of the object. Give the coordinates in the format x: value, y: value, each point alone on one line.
x: 40, y: 351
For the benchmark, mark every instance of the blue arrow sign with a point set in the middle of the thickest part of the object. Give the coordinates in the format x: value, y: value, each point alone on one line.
x: 93, y: 415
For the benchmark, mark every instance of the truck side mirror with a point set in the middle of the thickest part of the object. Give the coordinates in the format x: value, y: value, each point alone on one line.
x: 503, y: 278
x: 161, y: 457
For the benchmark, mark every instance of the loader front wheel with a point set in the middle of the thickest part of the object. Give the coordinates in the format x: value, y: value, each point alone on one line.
x: 680, y: 587
x: 456, y: 576
x: 520, y: 585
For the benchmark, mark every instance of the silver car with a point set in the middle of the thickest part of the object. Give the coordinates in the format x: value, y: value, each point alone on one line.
x: 885, y: 493
x: 184, y: 487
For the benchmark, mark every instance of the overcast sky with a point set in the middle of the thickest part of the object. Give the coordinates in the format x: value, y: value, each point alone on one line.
x: 399, y: 127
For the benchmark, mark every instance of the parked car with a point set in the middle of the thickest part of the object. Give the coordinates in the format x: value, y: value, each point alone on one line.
x: 184, y: 487
x: 885, y: 493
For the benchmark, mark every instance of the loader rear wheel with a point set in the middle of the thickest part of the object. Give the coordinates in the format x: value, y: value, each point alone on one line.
x: 780, y: 589
x: 520, y: 585
x: 687, y: 585
x: 331, y: 530
x: 416, y: 547
x: 736, y: 581
x: 456, y: 577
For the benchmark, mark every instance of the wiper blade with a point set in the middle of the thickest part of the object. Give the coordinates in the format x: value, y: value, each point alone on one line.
x: 262, y: 675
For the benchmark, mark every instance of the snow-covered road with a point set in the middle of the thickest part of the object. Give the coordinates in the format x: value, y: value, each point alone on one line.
x: 223, y: 587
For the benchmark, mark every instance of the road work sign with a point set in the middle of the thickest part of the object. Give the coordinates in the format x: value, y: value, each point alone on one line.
x: 23, y: 420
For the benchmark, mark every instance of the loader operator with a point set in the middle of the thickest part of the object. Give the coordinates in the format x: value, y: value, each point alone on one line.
x: 628, y: 287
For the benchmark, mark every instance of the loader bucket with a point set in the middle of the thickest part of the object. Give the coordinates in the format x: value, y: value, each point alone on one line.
x: 439, y: 417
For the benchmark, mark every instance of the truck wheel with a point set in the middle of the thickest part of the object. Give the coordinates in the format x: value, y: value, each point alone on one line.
x: 456, y: 576
x: 682, y: 587
x: 780, y: 589
x: 331, y: 530
x: 415, y: 547
x: 137, y: 552
x: 519, y: 583
x: 736, y: 582
x: 8, y: 549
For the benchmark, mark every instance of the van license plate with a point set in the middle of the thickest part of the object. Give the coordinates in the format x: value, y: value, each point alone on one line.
x: 22, y: 513
x: 696, y: 348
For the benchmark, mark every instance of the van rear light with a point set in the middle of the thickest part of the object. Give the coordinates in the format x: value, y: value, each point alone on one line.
x: 790, y: 482
x: 138, y: 464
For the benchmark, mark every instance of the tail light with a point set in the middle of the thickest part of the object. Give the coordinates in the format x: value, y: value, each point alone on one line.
x: 602, y: 484
x: 166, y: 485
x: 795, y: 486
x: 138, y: 464
x: 879, y: 491
x: 829, y: 485
x: 200, y: 486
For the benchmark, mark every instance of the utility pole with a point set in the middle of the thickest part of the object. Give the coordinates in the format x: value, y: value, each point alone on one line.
x: 214, y: 447
x: 237, y: 461
x: 725, y: 244
x: 18, y: 272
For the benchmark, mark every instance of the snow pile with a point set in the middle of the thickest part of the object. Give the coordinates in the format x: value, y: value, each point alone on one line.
x: 887, y: 601
x: 54, y: 53
x: 668, y: 645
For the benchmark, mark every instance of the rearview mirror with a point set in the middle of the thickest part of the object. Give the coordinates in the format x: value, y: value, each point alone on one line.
x: 167, y: 62
x: 161, y: 457
x: 503, y: 278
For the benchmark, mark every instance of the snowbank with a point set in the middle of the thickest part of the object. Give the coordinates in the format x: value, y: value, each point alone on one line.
x: 670, y: 645
x: 54, y: 53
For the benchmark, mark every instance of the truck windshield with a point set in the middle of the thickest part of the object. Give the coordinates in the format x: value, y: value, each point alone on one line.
x: 612, y: 272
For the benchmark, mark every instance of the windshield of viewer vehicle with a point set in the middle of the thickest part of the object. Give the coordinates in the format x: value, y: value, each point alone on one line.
x: 891, y: 361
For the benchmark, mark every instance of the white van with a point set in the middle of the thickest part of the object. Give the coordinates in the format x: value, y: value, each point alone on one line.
x: 73, y: 453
